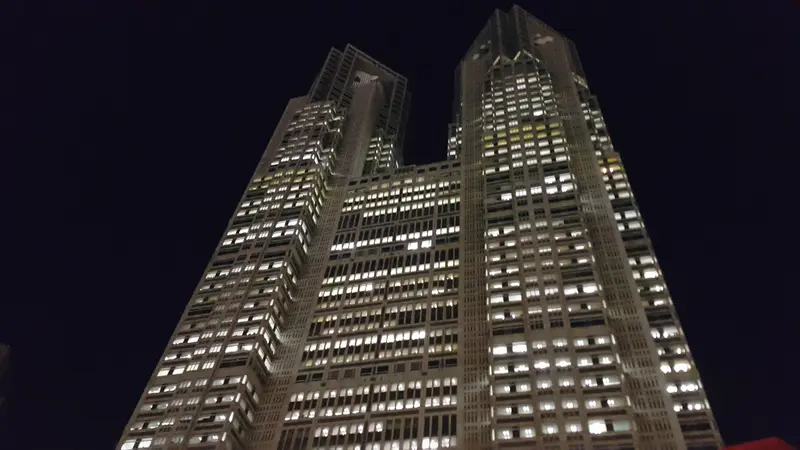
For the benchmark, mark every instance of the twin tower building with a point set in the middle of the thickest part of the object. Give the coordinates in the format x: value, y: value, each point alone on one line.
x: 505, y: 298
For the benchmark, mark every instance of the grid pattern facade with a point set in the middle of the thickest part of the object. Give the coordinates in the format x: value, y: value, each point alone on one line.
x: 506, y: 298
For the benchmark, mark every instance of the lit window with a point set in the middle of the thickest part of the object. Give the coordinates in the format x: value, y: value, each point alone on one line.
x: 597, y: 426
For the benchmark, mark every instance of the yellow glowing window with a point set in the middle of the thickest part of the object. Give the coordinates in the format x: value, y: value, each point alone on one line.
x: 513, y: 130
x: 502, y: 142
x: 528, y: 136
x: 527, y: 128
x: 487, y: 138
x: 541, y: 127
x: 541, y: 135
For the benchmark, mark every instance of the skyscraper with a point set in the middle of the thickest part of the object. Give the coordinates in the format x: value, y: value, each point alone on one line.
x: 508, y: 297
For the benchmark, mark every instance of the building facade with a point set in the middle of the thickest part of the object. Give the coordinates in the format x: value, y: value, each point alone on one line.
x: 508, y: 297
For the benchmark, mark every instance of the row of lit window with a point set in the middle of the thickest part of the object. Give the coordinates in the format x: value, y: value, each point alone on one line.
x: 594, y: 426
x: 543, y: 383
x: 398, y: 238
x: 218, y: 347
x: 571, y: 290
x: 370, y: 286
x: 158, y: 406
x: 397, y: 191
x: 284, y: 176
x: 193, y: 338
x: 169, y: 421
x: 391, y: 337
x: 517, y: 348
x: 521, y: 347
x: 550, y: 405
x: 516, y: 313
x: 523, y: 226
x: 286, y: 183
x: 530, y: 162
x: 403, y: 202
x: 138, y: 443
x: 415, y: 348
x: 363, y: 408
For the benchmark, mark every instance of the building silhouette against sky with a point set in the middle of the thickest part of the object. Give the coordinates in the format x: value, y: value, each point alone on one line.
x: 508, y: 297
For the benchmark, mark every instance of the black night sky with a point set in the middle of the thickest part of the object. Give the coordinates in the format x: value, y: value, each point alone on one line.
x: 131, y: 129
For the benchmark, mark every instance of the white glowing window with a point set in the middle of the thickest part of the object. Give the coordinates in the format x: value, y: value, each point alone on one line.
x: 550, y: 428
x: 681, y: 366
x: 597, y: 426
x: 547, y: 406
x: 519, y: 347
x: 689, y: 387
x: 541, y: 364
x: 669, y: 332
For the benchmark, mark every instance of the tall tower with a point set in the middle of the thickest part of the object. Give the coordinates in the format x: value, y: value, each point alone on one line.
x: 533, y: 141
x: 505, y: 298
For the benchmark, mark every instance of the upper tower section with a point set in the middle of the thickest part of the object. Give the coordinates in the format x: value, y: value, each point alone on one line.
x: 510, y: 35
x: 344, y: 70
